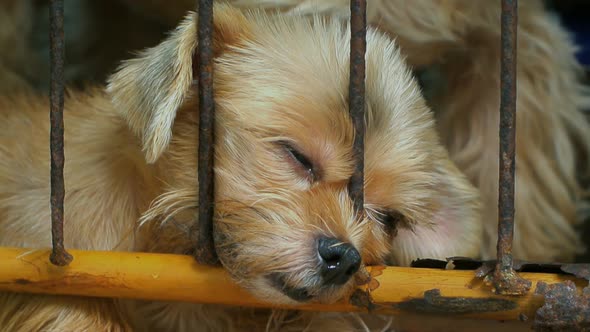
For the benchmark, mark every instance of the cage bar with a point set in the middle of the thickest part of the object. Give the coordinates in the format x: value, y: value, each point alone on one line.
x: 205, y: 249
x: 356, y: 95
x: 170, y: 277
x: 59, y: 255
x: 506, y: 281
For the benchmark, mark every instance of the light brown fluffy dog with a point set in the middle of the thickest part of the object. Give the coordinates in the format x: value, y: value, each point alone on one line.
x: 460, y: 39
x: 283, y: 160
x: 456, y: 42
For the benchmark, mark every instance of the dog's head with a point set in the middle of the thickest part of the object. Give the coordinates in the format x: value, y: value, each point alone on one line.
x: 285, y: 226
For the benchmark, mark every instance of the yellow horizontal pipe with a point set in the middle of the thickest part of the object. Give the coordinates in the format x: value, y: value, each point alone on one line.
x: 170, y: 277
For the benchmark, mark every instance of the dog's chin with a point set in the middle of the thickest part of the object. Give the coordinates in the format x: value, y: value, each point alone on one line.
x: 273, y: 288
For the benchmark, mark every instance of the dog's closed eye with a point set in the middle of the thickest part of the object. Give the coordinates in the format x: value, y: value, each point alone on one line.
x: 391, y: 219
x: 300, y: 162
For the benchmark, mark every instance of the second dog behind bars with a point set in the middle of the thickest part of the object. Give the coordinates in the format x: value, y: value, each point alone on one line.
x: 284, y: 226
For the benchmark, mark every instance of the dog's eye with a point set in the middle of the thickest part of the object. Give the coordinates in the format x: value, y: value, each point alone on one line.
x: 302, y: 161
x: 390, y: 219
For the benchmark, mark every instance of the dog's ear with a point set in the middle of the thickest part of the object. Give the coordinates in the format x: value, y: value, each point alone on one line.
x: 456, y: 227
x: 148, y: 90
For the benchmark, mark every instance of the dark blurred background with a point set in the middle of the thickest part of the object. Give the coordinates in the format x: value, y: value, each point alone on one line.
x: 575, y: 15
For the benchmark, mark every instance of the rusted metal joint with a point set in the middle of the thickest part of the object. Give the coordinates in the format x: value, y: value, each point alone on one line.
x: 564, y: 309
x: 59, y: 256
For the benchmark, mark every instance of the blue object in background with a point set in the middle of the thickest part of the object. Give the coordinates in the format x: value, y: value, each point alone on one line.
x: 579, y: 25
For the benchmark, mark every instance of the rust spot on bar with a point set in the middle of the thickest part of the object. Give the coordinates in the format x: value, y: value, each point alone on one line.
x: 564, y: 309
x: 356, y: 95
x: 74, y: 281
x: 362, y: 299
x: 434, y: 303
x: 59, y: 256
x: 21, y: 281
x: 205, y: 248
x: 505, y: 280
x: 579, y: 270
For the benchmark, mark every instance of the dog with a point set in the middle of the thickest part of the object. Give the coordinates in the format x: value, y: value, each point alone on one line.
x: 283, y: 159
x: 456, y: 46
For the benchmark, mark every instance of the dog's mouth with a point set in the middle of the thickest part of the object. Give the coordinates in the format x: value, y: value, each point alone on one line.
x: 299, y: 294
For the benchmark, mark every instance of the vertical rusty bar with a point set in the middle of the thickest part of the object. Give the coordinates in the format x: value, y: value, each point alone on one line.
x: 506, y: 281
x: 205, y: 249
x: 358, y: 47
x: 59, y: 256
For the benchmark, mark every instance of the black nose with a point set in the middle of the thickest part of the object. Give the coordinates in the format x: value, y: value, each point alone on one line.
x: 339, y: 260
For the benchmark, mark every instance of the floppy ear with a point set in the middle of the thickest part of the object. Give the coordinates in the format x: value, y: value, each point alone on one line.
x: 456, y: 227
x: 148, y: 90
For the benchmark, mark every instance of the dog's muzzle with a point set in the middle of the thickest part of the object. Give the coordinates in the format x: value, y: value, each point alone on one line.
x: 337, y: 263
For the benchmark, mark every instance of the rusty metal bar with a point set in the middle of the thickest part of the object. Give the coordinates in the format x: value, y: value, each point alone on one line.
x: 506, y: 281
x: 205, y: 249
x: 356, y: 95
x: 59, y: 256
x: 167, y: 277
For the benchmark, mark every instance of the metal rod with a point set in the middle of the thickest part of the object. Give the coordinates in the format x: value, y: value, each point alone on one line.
x: 506, y: 281
x: 59, y: 255
x: 205, y: 249
x: 358, y: 47
x: 170, y: 277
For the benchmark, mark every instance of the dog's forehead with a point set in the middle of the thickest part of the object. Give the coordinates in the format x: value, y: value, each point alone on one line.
x: 304, y: 62
x: 292, y: 78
